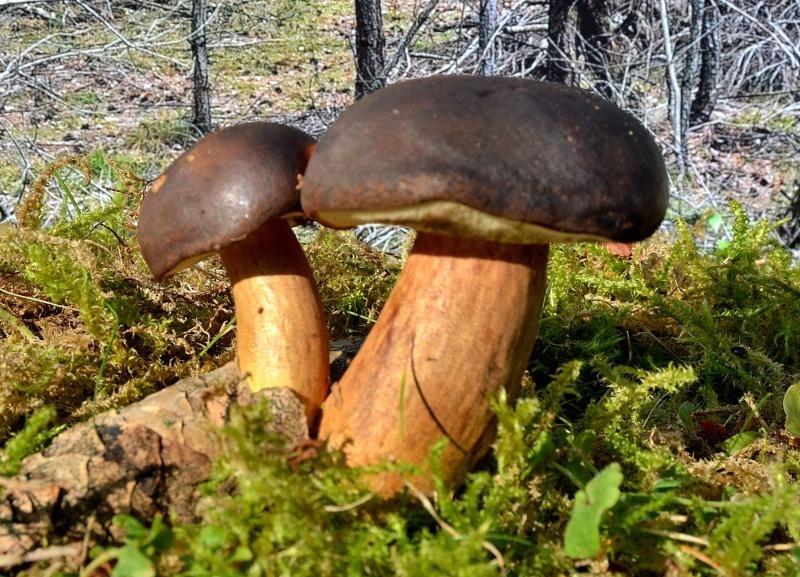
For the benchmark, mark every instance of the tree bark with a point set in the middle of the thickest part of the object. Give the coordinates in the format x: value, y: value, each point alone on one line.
x: 370, y: 47
x: 710, y: 46
x: 201, y: 116
x: 487, y: 21
x: 673, y: 89
x: 146, y: 458
x: 594, y: 26
x: 790, y: 230
x: 691, y: 68
x: 557, y: 68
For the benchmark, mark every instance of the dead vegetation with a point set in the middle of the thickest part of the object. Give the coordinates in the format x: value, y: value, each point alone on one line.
x: 88, y: 75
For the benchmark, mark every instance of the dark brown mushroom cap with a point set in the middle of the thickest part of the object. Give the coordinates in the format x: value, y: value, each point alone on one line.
x: 532, y: 152
x: 222, y: 189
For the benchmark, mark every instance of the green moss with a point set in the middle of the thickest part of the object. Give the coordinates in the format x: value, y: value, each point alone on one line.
x: 85, y: 327
x: 84, y: 99
x: 26, y: 441
x: 354, y: 281
x: 650, y: 362
x: 161, y: 132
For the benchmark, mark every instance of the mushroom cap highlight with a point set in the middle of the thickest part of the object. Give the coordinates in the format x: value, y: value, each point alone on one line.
x: 505, y: 159
x: 219, y: 191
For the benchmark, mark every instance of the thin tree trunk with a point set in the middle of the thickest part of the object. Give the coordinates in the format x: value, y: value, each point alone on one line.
x: 710, y: 45
x: 674, y: 89
x: 370, y: 47
x: 557, y: 68
x: 594, y: 25
x: 488, y: 23
x: 789, y: 232
x: 201, y: 116
x: 691, y: 68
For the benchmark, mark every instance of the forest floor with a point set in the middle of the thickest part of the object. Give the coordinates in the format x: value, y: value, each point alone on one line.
x: 132, y: 98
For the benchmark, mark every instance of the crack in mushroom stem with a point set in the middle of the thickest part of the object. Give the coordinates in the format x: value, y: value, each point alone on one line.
x: 282, y: 340
x: 469, y: 309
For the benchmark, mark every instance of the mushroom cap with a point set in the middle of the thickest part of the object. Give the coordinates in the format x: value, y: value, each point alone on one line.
x: 219, y: 191
x: 506, y: 159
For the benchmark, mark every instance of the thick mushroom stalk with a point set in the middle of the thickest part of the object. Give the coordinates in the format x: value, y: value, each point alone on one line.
x: 282, y: 340
x: 459, y: 326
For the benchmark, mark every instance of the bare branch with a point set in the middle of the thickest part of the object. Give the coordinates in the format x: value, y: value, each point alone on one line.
x: 408, y: 38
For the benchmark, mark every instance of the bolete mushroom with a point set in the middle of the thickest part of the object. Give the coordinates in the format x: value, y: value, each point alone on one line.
x: 232, y: 193
x: 489, y: 171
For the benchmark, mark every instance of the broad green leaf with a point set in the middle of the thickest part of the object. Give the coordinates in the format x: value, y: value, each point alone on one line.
x: 739, y: 441
x: 241, y: 554
x: 582, y: 535
x: 666, y: 483
x: 213, y: 536
x: 160, y: 537
x: 791, y: 406
x: 133, y: 528
x: 133, y: 563
x: 715, y: 221
x: 685, y: 412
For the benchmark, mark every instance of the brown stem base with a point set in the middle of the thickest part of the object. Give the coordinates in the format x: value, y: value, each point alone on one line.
x: 459, y: 326
x: 282, y: 340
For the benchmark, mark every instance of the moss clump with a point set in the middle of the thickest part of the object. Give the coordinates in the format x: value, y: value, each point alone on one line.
x: 84, y: 327
x: 730, y: 315
x: 354, y: 281
x: 26, y: 441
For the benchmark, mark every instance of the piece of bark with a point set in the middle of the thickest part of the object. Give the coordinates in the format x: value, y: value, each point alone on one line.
x: 146, y: 458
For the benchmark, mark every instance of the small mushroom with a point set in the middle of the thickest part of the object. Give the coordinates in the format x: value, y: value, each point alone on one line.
x: 232, y: 193
x: 489, y: 171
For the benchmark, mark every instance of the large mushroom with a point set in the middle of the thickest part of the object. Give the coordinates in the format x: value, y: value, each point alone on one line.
x: 489, y: 171
x: 233, y: 193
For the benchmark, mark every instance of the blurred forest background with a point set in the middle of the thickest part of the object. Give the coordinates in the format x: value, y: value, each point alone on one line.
x: 715, y: 80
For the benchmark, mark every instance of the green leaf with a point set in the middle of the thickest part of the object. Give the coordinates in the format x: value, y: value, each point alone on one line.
x: 739, y: 441
x: 241, y: 554
x: 722, y: 245
x: 160, y: 537
x: 133, y: 563
x: 584, y: 442
x: 582, y: 535
x: 666, y: 483
x: 213, y: 536
x: 715, y: 221
x: 685, y: 412
x: 133, y: 528
x: 791, y: 406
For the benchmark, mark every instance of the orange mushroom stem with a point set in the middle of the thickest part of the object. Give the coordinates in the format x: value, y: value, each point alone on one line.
x: 458, y: 327
x: 282, y: 340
